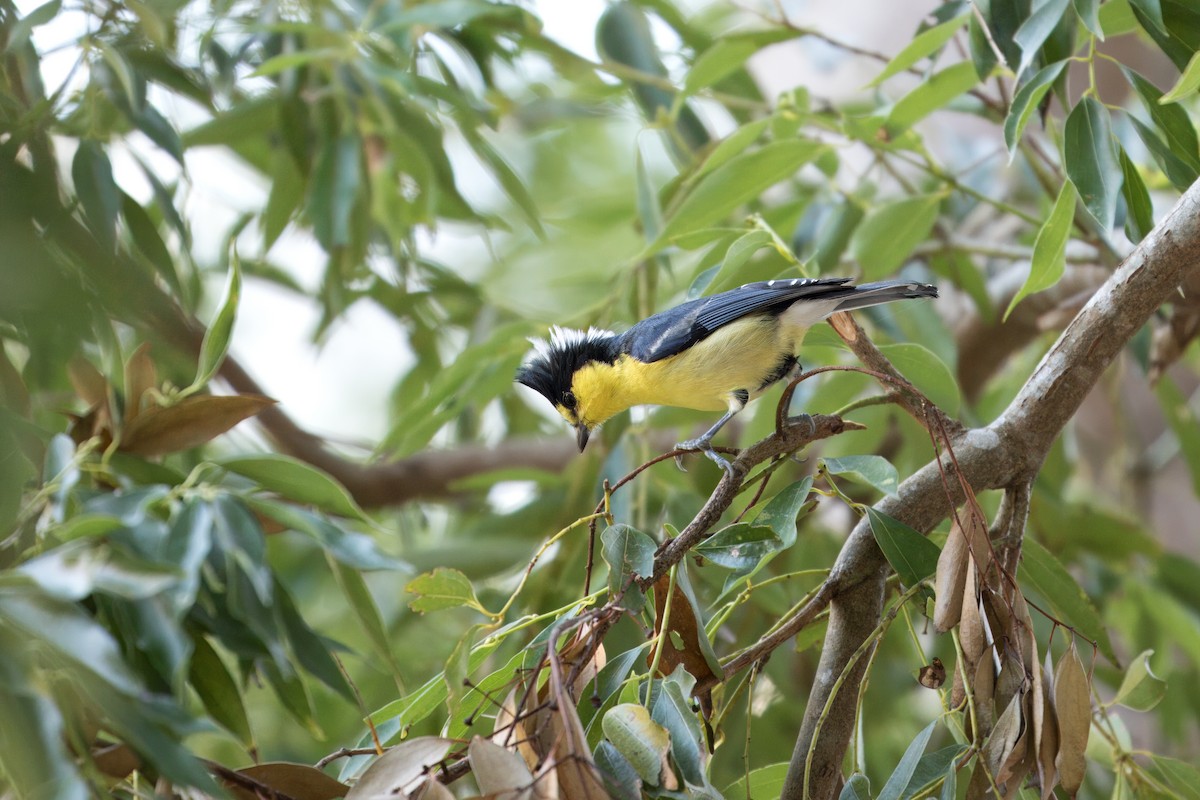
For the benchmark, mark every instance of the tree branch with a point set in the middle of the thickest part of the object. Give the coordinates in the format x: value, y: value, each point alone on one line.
x: 1008, y: 452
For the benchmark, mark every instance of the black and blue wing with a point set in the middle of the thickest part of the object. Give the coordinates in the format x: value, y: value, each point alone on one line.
x: 676, y: 329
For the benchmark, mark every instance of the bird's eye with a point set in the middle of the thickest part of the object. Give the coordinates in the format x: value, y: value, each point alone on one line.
x: 568, y: 399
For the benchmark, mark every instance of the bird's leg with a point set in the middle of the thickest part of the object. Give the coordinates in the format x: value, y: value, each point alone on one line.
x: 703, y: 443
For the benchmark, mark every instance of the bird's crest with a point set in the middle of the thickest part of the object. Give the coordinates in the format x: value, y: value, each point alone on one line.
x: 555, y: 362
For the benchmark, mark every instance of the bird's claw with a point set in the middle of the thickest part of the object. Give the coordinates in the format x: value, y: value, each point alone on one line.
x: 806, y: 420
x: 703, y: 445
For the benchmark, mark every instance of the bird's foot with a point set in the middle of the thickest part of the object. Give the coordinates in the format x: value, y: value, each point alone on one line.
x: 803, y: 420
x: 704, y: 445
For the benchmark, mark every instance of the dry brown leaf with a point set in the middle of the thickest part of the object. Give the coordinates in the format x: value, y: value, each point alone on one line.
x: 432, y: 789
x: 499, y: 771
x: 190, y: 422
x: 1073, y: 705
x: 529, y: 733
x: 116, y: 760
x: 984, y: 688
x: 140, y: 377
x: 299, y: 781
x: 686, y: 629
x: 1003, y: 739
x: 1048, y: 742
x: 578, y: 777
x: 950, y: 580
x: 1011, y: 680
x: 545, y: 781
x: 87, y: 381
x: 401, y: 769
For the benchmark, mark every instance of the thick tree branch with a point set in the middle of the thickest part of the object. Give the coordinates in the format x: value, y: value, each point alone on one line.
x: 1008, y: 452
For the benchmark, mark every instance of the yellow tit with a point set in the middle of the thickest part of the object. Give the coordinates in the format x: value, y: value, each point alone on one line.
x: 712, y: 354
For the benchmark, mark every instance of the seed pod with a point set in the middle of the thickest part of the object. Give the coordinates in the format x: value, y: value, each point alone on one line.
x: 950, y: 579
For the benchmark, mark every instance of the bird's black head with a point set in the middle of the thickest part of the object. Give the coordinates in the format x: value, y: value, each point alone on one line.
x: 552, y: 369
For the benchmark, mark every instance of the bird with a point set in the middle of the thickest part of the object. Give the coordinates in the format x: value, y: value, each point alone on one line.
x: 714, y: 353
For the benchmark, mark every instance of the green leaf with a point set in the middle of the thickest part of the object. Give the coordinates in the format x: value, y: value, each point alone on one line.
x: 741, y: 179
x: 507, y: 177
x: 931, y: 95
x: 628, y: 553
x: 219, y: 692
x: 442, y: 588
x: 1050, y: 248
x: 1026, y: 101
x: 897, y: 782
x: 922, y: 367
x: 857, y: 788
x: 20, y: 31
x: 33, y: 751
x: 334, y: 188
x: 416, y: 706
x: 1091, y: 161
x: 729, y: 53
x: 1179, y: 172
x: 78, y: 569
x: 1171, y: 119
x: 740, y: 546
x: 1183, y: 423
x: 1140, y: 689
x: 732, y: 145
x: 1043, y: 572
x: 912, y: 556
x: 884, y: 240
x: 933, y: 767
x: 1117, y: 18
x: 1178, y: 775
x: 145, y: 236
x: 673, y: 711
x: 1189, y: 82
x: 1088, y: 12
x: 780, y: 513
x: 873, y: 470
x: 358, y: 595
x: 649, y: 208
x: 743, y: 248
x: 98, y: 194
x: 835, y: 233
x: 1036, y: 29
x: 351, y: 548
x: 1140, y: 219
x: 643, y: 742
x: 296, y: 481
x: 216, y: 338
x: 764, y: 783
x: 926, y: 43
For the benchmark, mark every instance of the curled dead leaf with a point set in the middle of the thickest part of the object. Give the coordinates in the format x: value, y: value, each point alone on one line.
x: 191, y: 422
x: 1073, y: 705
x: 950, y: 580
x: 683, y: 645
x: 933, y: 674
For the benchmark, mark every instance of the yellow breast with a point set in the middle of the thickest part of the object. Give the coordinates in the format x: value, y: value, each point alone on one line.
x: 740, y: 355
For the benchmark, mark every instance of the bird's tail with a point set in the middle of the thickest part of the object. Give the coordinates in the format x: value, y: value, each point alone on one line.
x: 873, y: 294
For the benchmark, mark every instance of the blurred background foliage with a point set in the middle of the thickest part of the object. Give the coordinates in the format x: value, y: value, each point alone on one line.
x: 164, y: 599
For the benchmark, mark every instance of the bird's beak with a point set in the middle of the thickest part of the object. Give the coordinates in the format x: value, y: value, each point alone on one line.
x: 581, y: 435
